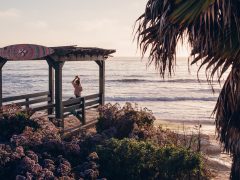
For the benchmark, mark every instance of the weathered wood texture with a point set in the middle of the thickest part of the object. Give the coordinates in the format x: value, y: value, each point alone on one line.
x: 16, y: 98
x: 58, y: 93
x: 102, y: 82
x: 79, y: 105
x: 83, y: 51
x: 51, y: 87
x: 61, y: 53
x: 25, y: 52
x: 2, y: 62
x: 31, y: 101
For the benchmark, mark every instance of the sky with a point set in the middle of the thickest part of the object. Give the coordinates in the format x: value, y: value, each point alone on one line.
x: 86, y: 23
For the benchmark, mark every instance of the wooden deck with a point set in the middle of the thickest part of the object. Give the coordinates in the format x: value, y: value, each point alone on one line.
x: 71, y: 123
x: 77, y: 113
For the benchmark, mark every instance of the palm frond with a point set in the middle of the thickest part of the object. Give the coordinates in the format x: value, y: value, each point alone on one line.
x: 210, y: 27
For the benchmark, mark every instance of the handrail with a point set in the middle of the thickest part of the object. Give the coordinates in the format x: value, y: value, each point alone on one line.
x: 72, y: 101
x: 35, y: 101
x: 77, y: 106
x: 31, y: 99
x: 94, y: 96
x: 91, y: 103
x: 25, y: 96
x: 72, y: 108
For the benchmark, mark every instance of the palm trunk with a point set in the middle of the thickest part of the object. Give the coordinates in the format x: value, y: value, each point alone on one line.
x: 235, y: 171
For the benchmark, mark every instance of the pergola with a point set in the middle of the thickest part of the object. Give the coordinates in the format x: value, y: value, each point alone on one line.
x: 56, y: 57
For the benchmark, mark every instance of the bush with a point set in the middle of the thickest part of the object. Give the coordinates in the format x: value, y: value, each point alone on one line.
x: 126, y: 120
x: 131, y: 159
x: 14, y: 123
x: 35, y: 149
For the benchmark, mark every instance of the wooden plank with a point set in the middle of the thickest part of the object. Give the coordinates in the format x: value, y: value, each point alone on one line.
x: 78, y: 110
x: 90, y: 103
x: 83, y: 112
x: 90, y: 107
x: 94, y: 96
x: 15, y: 98
x: 42, y: 107
x: 58, y: 93
x: 50, y: 87
x: 35, y: 101
x: 72, y: 108
x: 72, y: 101
x: 25, y: 52
x: 102, y: 83
x: 2, y: 62
x: 66, y: 114
x: 73, y: 57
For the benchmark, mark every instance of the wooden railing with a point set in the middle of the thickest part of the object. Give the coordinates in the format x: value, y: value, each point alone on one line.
x: 77, y: 106
x: 29, y: 100
x: 92, y: 101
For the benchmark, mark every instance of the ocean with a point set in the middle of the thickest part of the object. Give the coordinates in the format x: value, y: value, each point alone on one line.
x: 179, y: 98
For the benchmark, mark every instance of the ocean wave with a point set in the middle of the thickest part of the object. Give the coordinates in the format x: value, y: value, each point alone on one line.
x: 165, y: 99
x: 136, y: 80
x: 128, y: 80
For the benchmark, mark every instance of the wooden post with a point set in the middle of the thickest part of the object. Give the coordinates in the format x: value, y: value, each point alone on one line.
x: 27, y: 103
x: 58, y: 93
x: 102, y: 82
x: 50, y: 87
x: 2, y: 62
x: 83, y: 111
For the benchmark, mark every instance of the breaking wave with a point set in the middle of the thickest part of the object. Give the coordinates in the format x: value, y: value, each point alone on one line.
x: 169, y: 99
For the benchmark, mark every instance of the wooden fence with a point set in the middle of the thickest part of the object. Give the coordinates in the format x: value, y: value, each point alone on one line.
x: 77, y: 106
x: 43, y: 101
x: 33, y: 101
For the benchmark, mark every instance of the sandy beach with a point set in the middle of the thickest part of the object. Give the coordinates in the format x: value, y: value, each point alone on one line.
x: 219, y: 162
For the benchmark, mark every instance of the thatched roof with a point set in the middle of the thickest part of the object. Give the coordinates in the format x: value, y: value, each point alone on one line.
x: 60, y: 53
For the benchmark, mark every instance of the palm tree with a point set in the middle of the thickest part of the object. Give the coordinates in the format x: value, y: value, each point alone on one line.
x: 212, y: 29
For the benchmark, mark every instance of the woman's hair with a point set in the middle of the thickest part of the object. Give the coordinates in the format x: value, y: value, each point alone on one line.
x: 77, y: 82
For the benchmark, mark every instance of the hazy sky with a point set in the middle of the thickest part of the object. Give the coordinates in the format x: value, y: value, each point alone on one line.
x: 91, y: 23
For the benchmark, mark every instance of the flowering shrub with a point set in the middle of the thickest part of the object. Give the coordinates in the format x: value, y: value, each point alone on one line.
x: 131, y: 159
x: 35, y: 149
x: 14, y: 123
x: 128, y: 120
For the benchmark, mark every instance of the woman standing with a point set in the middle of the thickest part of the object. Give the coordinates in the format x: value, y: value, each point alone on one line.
x: 77, y: 86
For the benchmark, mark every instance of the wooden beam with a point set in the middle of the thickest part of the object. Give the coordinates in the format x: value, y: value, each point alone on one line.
x: 73, y: 57
x: 2, y: 62
x: 51, y: 62
x: 89, y: 97
x: 99, y: 63
x: 83, y: 112
x: 50, y: 87
x: 73, y: 101
x: 34, y: 95
x: 102, y: 82
x: 58, y: 93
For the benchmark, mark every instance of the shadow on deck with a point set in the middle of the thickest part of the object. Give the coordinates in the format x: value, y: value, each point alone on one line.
x: 72, y: 125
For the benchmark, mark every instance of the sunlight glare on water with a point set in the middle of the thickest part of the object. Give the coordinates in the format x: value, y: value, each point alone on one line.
x: 180, y: 97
